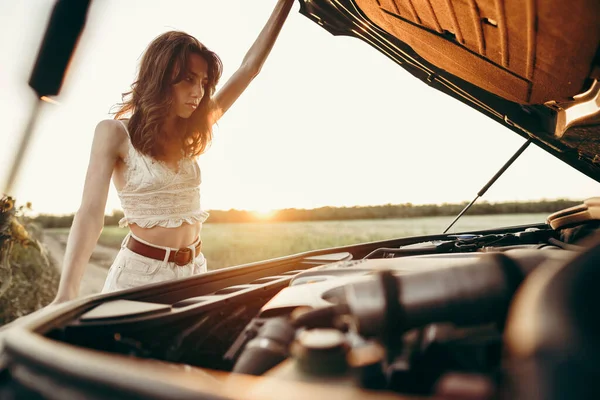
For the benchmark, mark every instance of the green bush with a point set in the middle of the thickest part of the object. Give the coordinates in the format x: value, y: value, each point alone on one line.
x: 33, y: 283
x: 28, y: 278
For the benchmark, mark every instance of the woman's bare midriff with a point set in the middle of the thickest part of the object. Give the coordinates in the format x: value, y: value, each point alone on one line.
x: 182, y: 236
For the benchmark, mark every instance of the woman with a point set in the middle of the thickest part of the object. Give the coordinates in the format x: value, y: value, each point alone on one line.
x: 151, y: 158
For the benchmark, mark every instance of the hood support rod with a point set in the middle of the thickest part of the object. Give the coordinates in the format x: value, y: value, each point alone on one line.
x: 491, y: 182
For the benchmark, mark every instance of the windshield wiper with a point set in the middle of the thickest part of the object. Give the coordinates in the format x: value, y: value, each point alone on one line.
x: 491, y: 182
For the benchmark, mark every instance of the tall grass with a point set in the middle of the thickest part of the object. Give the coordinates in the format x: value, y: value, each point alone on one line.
x: 233, y: 244
x: 33, y: 284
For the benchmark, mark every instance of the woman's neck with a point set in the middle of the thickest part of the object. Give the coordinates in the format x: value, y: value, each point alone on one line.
x: 172, y: 126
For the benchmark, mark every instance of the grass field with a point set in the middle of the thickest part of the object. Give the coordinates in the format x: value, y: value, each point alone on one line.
x: 234, y: 244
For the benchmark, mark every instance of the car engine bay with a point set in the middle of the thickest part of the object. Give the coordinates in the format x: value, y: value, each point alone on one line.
x: 440, y: 316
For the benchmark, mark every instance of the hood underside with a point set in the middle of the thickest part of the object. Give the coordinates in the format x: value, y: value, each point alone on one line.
x: 531, y: 65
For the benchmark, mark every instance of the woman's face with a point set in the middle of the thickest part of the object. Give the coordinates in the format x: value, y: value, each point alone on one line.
x: 188, y: 93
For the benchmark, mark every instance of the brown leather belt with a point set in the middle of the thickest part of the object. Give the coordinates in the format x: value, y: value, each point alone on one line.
x: 181, y: 257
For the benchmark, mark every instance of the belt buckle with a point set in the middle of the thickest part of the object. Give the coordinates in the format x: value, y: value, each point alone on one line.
x: 187, y: 252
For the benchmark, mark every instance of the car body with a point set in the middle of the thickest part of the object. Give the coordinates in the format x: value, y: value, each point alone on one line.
x: 496, y: 314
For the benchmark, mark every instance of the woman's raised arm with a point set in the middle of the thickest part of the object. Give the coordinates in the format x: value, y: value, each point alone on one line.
x: 253, y: 60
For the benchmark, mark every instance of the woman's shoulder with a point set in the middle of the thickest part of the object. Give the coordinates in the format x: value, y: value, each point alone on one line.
x: 112, y: 133
x: 113, y: 129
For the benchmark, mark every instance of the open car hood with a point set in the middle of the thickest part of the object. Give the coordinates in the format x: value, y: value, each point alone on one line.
x: 532, y: 66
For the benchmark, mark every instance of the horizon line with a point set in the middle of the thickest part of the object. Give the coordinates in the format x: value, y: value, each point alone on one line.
x: 275, y: 210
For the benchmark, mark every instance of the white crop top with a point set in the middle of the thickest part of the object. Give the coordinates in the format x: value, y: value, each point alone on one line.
x: 156, y: 195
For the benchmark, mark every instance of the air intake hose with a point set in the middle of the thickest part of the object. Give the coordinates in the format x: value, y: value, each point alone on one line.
x: 474, y: 293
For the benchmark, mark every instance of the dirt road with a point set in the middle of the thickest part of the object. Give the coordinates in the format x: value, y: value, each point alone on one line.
x: 97, y: 269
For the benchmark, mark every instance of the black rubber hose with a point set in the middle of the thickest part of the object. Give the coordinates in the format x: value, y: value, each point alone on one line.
x: 267, y: 349
x: 475, y: 293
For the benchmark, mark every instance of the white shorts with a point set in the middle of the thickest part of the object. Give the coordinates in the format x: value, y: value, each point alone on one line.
x: 130, y: 269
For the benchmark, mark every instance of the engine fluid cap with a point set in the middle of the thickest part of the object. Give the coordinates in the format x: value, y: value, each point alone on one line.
x: 321, y: 351
x: 321, y: 339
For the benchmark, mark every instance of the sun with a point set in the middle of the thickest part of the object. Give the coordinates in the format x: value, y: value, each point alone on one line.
x: 264, y: 214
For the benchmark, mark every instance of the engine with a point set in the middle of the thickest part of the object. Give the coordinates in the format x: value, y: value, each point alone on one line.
x: 483, y: 315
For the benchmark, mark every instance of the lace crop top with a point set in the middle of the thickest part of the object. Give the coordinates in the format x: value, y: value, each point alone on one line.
x: 155, y: 195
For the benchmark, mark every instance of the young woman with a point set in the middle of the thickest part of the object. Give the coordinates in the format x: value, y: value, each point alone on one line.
x: 152, y: 160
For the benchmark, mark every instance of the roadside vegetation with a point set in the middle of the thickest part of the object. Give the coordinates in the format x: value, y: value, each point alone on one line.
x: 28, y: 277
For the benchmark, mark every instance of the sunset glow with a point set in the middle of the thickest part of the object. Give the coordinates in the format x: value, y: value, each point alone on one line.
x: 265, y: 214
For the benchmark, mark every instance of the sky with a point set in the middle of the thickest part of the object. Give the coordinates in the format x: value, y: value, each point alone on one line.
x: 329, y: 121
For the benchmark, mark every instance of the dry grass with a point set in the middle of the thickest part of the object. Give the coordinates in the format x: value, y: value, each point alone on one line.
x: 234, y: 244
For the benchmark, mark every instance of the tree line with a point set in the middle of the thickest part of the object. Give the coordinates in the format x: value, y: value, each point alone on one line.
x: 406, y: 210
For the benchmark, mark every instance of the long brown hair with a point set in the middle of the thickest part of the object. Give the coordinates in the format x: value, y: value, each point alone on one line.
x: 164, y: 64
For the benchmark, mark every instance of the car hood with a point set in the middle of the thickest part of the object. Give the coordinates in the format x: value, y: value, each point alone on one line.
x: 531, y: 66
